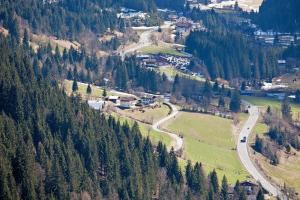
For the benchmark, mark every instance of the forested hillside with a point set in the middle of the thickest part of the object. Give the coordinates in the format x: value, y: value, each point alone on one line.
x: 56, y: 147
x: 68, y: 18
x: 279, y: 15
x: 228, y: 55
x: 171, y: 4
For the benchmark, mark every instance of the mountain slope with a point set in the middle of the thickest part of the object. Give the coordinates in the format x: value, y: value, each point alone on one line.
x: 279, y: 15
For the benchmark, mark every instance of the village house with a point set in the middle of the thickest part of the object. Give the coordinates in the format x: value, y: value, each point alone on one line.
x: 127, y: 102
x: 96, y: 104
x: 114, y: 99
x: 146, y: 101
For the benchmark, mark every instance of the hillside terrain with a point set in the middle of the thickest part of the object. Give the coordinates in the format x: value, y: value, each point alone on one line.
x: 149, y: 99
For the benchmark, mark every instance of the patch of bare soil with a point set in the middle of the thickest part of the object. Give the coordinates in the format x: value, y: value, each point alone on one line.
x: 3, y: 31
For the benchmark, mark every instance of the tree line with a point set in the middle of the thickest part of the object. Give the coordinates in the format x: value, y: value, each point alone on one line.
x: 228, y: 54
x: 278, y: 15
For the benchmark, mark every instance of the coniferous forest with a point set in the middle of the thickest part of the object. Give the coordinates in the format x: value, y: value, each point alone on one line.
x: 56, y: 147
x: 242, y: 58
x: 279, y: 15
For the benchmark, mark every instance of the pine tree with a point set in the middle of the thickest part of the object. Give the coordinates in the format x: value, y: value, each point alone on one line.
x: 286, y: 109
x: 104, y: 93
x: 235, y: 102
x: 260, y: 195
x: 224, y: 189
x: 176, y: 84
x: 237, y: 187
x: 26, y: 39
x: 243, y: 87
x: 207, y: 90
x: 89, y: 89
x: 297, y: 99
x: 269, y: 110
x: 216, y: 86
x: 242, y: 195
x: 74, y: 85
x: 214, y: 181
x: 221, y: 102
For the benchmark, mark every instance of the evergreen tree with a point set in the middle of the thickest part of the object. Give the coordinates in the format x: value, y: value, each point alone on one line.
x: 221, y: 102
x: 216, y: 86
x: 269, y: 110
x: 224, y: 189
x: 235, y: 102
x: 297, y: 99
x: 26, y: 39
x: 286, y: 109
x: 104, y: 93
x: 214, y: 181
x: 242, y: 195
x: 89, y: 89
x: 243, y: 87
x: 207, y: 90
x: 176, y: 84
x: 74, y: 85
x: 260, y: 195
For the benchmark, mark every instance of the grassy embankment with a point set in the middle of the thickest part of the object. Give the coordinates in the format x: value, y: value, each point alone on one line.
x: 166, y: 49
x: 288, y: 170
x: 209, y: 139
x: 273, y: 103
x: 172, y: 72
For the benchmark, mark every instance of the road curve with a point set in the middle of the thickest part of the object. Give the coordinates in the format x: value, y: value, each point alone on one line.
x: 156, y: 126
x: 244, y: 154
x: 144, y: 41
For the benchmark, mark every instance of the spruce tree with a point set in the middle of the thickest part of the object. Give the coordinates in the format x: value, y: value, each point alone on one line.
x: 260, y: 195
x: 214, y: 181
x: 235, y: 102
x: 89, y: 89
x: 286, y: 109
x: 74, y: 85
x: 104, y: 93
x: 224, y: 189
x: 297, y: 99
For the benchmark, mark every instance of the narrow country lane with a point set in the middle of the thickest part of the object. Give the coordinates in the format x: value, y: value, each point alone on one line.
x: 244, y: 154
x: 156, y: 126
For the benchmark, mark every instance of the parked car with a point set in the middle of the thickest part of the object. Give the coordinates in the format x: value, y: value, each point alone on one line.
x: 244, y: 139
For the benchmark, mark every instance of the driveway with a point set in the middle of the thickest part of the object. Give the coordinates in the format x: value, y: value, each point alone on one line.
x: 156, y: 126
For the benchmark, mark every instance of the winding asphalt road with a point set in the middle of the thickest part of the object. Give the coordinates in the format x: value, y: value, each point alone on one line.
x: 244, y: 154
x: 156, y: 126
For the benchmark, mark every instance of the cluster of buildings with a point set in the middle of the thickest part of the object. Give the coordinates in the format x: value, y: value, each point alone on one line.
x: 124, y: 102
x: 183, y: 25
x: 128, y: 102
x: 154, y: 61
x: 274, y: 38
x: 135, y: 17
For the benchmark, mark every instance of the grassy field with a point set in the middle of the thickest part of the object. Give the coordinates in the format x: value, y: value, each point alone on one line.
x: 286, y: 172
x: 148, y: 115
x: 275, y: 104
x: 146, y: 130
x: 96, y: 91
x: 171, y: 72
x: 209, y: 139
x: 153, y: 49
